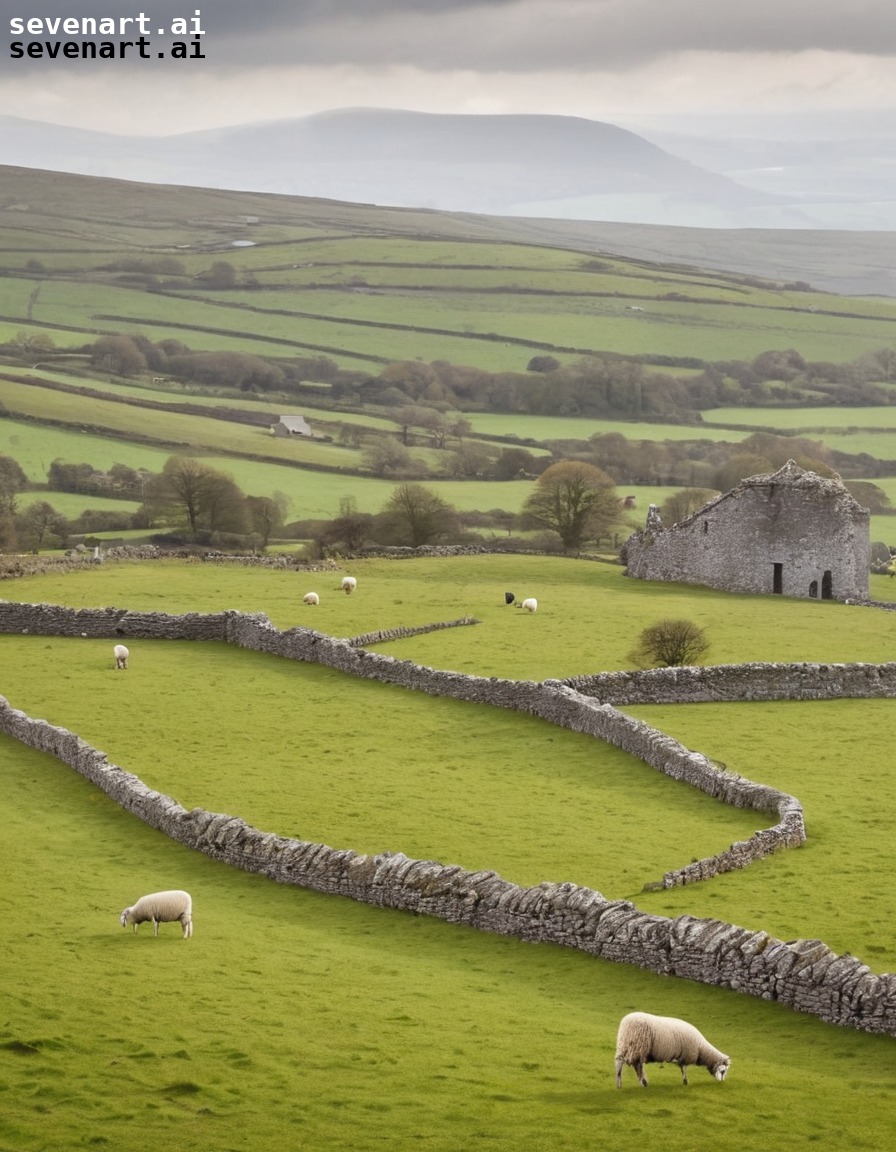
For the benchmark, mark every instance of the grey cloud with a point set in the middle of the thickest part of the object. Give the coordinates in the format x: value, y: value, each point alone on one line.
x: 501, y: 35
x: 520, y: 35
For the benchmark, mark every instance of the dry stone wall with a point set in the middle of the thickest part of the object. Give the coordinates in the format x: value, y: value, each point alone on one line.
x: 807, y: 975
x: 733, y: 682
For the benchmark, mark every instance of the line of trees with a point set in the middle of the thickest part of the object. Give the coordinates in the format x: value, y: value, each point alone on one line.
x: 593, y: 385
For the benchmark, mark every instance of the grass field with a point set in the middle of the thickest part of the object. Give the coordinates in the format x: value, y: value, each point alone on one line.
x: 291, y: 1017
x: 369, y: 285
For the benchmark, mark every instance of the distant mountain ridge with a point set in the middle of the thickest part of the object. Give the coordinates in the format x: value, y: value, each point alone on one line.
x: 508, y: 165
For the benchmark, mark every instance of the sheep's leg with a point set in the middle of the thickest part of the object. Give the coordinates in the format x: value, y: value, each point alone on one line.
x: 155, y: 926
x: 684, y: 1073
x: 638, y: 1066
x: 619, y: 1064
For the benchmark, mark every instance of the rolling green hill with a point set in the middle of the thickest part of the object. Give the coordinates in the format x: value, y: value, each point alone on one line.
x: 291, y: 279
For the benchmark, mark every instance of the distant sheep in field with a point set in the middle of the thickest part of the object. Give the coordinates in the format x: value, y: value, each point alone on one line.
x: 348, y: 585
x: 509, y: 597
x: 311, y: 598
x: 161, y: 908
x: 121, y: 656
x: 645, y: 1039
x: 530, y: 604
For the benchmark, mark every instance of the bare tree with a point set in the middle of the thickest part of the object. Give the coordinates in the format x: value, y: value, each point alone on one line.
x: 415, y: 515
x: 670, y: 643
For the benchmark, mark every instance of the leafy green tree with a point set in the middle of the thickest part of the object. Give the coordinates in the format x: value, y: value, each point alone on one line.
x: 738, y: 467
x: 62, y: 477
x: 119, y: 355
x: 543, y: 364
x: 30, y: 346
x: 12, y: 481
x: 385, y: 456
x: 670, y: 643
x: 222, y: 503
x: 574, y: 499
x: 514, y: 462
x: 685, y: 503
x: 870, y: 496
x: 222, y: 274
x: 471, y: 459
x: 41, y: 526
x: 415, y: 515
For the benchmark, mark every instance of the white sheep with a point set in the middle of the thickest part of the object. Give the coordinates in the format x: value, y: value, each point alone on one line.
x: 530, y: 604
x: 311, y: 598
x: 645, y: 1039
x: 348, y: 585
x: 161, y: 908
x: 121, y: 656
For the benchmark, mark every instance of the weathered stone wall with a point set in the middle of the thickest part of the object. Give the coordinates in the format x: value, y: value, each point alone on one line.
x: 387, y: 634
x: 558, y: 703
x: 802, y: 523
x: 733, y: 682
x: 804, y: 974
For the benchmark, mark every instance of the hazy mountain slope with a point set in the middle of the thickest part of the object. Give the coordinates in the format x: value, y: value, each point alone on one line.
x: 495, y: 164
x: 862, y: 263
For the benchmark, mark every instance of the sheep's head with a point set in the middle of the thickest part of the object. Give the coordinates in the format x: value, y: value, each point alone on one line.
x: 124, y: 917
x: 721, y: 1070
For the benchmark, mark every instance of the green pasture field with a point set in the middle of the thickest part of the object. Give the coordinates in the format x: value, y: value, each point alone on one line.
x: 71, y: 504
x: 805, y: 421
x: 173, y: 393
x: 884, y: 528
x: 292, y: 1018
x: 881, y: 445
x: 79, y: 306
x: 542, y: 428
x: 705, y: 329
x: 196, y: 433
x: 315, y: 495
x: 833, y: 756
x: 588, y: 619
x: 35, y: 447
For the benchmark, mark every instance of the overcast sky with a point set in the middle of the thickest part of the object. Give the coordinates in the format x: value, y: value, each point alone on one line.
x: 608, y: 60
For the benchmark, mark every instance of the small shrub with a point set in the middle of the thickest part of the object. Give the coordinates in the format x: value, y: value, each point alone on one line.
x: 670, y: 643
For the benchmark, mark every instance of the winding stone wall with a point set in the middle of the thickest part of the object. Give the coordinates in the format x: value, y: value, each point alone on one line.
x: 807, y: 975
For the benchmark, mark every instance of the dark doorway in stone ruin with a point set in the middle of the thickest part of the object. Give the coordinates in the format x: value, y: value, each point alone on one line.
x: 827, y: 586
x: 778, y: 579
x: 813, y: 589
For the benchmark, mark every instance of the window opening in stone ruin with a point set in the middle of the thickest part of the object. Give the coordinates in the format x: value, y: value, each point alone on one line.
x: 778, y: 579
x: 827, y: 586
x: 705, y: 527
x: 813, y: 589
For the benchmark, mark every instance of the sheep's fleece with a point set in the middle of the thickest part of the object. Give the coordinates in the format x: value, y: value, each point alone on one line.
x: 161, y: 908
x: 646, y: 1039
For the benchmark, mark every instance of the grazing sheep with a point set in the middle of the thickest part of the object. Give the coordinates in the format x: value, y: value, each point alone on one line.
x: 348, y: 585
x: 161, y: 908
x: 530, y: 604
x: 509, y: 597
x: 645, y: 1039
x: 311, y: 598
x: 121, y: 656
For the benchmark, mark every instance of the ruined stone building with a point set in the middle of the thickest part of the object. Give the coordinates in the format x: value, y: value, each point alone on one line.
x: 792, y: 532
